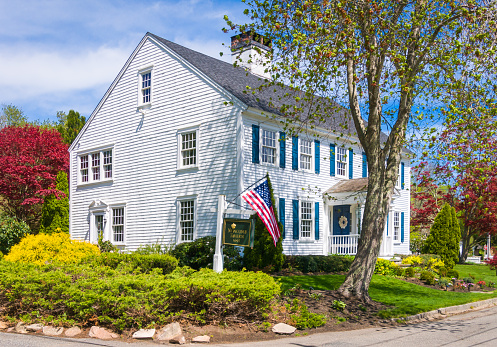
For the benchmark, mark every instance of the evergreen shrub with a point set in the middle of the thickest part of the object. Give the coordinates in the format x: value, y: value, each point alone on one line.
x: 11, y: 232
x: 100, y: 295
x: 409, y: 272
x: 386, y: 267
x: 444, y: 237
x: 453, y: 274
x: 134, y: 262
x: 199, y: 254
x: 319, y: 263
x: 55, y: 210
x: 46, y: 248
x: 427, y: 276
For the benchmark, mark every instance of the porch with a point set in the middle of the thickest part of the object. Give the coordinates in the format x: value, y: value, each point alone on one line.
x: 343, y: 244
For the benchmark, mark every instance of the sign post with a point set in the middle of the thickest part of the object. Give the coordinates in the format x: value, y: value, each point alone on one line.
x: 218, y: 255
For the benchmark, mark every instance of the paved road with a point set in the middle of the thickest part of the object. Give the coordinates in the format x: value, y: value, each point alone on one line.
x: 478, y: 328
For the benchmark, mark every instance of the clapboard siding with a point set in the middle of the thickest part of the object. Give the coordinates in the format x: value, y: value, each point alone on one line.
x: 145, y: 175
x: 298, y: 185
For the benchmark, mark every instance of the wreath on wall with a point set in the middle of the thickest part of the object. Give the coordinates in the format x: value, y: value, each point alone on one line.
x: 342, y: 222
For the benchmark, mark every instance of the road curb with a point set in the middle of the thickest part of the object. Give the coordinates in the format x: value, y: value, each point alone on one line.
x: 451, y: 310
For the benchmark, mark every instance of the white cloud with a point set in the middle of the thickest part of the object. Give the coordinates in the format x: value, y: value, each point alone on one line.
x: 28, y: 74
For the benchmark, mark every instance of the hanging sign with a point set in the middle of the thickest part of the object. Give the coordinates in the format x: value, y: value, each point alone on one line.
x: 238, y: 232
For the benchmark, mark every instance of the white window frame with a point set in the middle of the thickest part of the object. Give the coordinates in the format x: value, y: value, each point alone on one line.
x: 312, y: 220
x: 111, y: 223
x: 180, y: 200
x: 141, y: 73
x: 396, y: 227
x: 100, y: 151
x: 180, y: 134
x: 311, y: 155
x: 345, y: 162
x: 398, y: 184
x: 262, y: 146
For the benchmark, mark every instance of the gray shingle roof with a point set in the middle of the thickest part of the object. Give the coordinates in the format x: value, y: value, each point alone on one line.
x: 346, y: 186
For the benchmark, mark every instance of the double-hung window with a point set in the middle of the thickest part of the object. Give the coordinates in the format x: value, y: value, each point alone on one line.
x: 269, y: 142
x: 341, y: 159
x: 95, y: 166
x: 145, y: 86
x: 118, y: 224
x: 188, y: 147
x: 305, y: 220
x: 396, y: 226
x: 187, y: 220
x: 305, y: 155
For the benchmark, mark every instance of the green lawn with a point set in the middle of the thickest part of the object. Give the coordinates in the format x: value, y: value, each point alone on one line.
x: 407, y: 298
x: 480, y: 271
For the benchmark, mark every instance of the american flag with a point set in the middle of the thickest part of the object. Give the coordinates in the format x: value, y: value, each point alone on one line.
x: 260, y: 200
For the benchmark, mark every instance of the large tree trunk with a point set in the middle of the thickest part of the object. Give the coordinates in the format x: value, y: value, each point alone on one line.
x: 375, y: 210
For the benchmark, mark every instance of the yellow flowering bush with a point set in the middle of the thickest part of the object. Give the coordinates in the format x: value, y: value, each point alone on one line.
x: 415, y: 260
x: 46, y: 248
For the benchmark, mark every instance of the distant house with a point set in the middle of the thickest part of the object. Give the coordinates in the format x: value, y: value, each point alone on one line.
x: 175, y: 129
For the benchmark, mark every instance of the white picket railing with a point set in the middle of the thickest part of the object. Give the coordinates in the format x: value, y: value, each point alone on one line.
x: 343, y: 244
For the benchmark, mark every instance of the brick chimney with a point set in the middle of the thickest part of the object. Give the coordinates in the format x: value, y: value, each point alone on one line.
x: 253, y: 50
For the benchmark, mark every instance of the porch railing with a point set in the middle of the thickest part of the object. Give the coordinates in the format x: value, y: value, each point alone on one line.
x: 343, y: 244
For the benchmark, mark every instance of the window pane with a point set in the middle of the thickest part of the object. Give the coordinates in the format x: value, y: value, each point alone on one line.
x: 305, y: 154
x: 189, y: 149
x: 108, y: 164
x: 84, y: 168
x: 118, y: 224
x: 146, y: 86
x: 341, y: 161
x: 306, y: 219
x: 95, y: 166
x: 187, y: 221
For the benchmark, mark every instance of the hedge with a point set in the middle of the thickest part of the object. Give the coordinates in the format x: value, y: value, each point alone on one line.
x: 100, y: 295
x: 319, y: 263
x: 134, y: 262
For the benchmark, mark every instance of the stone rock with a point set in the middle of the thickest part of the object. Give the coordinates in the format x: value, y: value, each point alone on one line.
x: 178, y: 340
x: 170, y: 331
x: 144, y: 334
x: 52, y: 331
x: 11, y: 329
x: 71, y: 332
x: 34, y: 327
x: 3, y: 325
x: 283, y: 329
x: 21, y: 328
x: 202, y: 339
x: 101, y: 333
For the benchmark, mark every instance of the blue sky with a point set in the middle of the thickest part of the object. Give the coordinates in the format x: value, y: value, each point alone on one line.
x: 59, y: 55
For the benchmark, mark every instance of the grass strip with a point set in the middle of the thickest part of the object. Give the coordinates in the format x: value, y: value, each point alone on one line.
x: 407, y: 298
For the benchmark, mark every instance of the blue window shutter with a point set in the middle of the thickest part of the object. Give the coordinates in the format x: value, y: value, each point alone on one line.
x: 351, y: 163
x: 282, y: 217
x: 295, y: 153
x: 388, y: 217
x: 332, y: 159
x: 316, y: 229
x: 282, y: 150
x: 295, y: 219
x: 402, y: 227
x: 402, y: 176
x: 364, y: 165
x: 318, y: 155
x: 255, y: 144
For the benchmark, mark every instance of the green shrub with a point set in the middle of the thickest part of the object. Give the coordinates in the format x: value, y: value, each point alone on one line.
x: 453, y: 274
x: 109, y: 297
x: 301, y: 318
x: 444, y: 236
x: 468, y: 280
x: 427, y: 276
x: 319, y: 263
x: 385, y: 267
x: 134, y: 262
x: 442, y: 271
x: 46, y: 248
x: 11, y: 232
x: 338, y: 305
x: 55, y: 210
x: 199, y: 254
x: 409, y: 272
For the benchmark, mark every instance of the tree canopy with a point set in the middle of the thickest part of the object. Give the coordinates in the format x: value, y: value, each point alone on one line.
x: 390, y: 63
x: 69, y: 125
x: 30, y: 158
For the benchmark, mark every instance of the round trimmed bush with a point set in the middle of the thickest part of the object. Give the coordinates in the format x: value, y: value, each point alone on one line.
x: 428, y: 277
x: 453, y: 274
x: 409, y: 272
x: 11, y: 232
x: 46, y: 248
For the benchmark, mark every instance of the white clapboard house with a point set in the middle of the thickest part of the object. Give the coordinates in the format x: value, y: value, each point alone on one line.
x: 176, y: 129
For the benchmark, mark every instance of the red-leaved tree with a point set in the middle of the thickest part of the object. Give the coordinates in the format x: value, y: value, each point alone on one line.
x: 462, y: 171
x: 30, y: 158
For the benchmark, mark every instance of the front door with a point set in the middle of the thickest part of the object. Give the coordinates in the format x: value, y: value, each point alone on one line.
x: 341, y: 220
